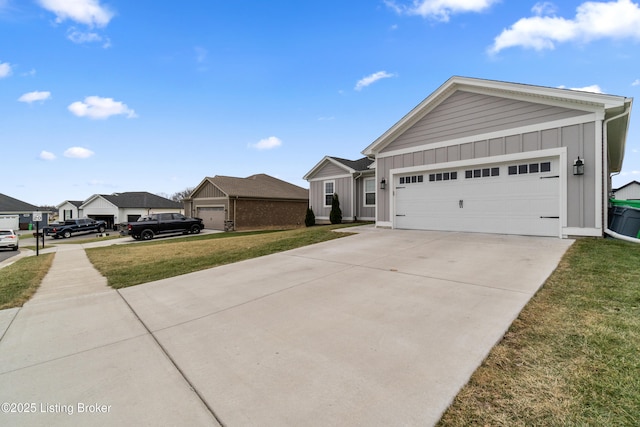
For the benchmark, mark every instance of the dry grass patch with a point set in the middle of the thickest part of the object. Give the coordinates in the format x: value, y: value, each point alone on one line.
x: 128, y: 265
x: 573, y: 355
x: 20, y: 280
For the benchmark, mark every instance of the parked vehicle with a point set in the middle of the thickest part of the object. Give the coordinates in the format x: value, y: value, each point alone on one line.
x: 9, y: 239
x: 163, y: 223
x: 74, y: 226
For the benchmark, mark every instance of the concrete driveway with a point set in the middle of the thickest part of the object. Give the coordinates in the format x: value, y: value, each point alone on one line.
x: 381, y: 328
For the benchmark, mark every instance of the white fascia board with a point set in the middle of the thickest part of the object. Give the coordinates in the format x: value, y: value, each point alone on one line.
x: 587, y: 118
x: 321, y: 163
x: 329, y: 178
x: 567, y: 98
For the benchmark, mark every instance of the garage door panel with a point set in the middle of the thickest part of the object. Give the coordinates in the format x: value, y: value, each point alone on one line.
x: 511, y: 204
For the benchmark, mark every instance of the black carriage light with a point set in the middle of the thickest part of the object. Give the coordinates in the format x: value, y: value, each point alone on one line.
x: 383, y: 184
x: 578, y: 166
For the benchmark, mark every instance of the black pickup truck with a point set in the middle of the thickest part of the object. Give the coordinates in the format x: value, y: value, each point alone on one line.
x: 74, y: 226
x: 163, y: 223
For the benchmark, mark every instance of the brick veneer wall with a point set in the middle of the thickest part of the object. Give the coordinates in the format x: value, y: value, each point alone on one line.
x: 257, y: 214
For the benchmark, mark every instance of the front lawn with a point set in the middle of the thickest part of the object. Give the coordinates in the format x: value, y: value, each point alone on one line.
x: 20, y: 280
x: 572, y: 358
x: 128, y: 265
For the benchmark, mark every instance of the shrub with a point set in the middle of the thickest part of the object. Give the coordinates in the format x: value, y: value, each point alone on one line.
x: 336, y: 213
x: 310, y: 219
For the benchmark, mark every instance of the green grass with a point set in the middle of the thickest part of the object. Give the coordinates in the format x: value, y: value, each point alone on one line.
x: 20, y: 280
x: 129, y: 265
x: 573, y: 355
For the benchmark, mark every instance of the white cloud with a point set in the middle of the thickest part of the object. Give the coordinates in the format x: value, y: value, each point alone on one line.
x: 440, y: 10
x: 47, y: 155
x: 592, y: 88
x: 95, y: 107
x: 80, y: 37
x: 35, y: 96
x: 636, y: 82
x: 88, y: 12
x: 594, y: 20
x: 78, y: 153
x: 267, y: 143
x: 5, y: 69
x: 370, y: 79
x: 544, y: 8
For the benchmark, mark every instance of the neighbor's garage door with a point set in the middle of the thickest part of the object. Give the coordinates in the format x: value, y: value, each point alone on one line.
x: 510, y: 198
x: 212, y: 217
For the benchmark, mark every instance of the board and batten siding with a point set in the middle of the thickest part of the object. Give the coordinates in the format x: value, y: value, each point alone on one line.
x: 579, y: 139
x: 342, y: 187
x: 465, y: 114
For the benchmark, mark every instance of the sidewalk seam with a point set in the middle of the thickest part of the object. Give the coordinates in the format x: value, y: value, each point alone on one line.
x: 173, y: 362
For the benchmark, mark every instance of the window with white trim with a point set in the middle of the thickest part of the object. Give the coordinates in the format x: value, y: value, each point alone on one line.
x: 370, y: 192
x: 329, y: 189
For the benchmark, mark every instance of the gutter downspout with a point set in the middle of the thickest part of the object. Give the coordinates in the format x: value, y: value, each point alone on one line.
x: 354, y: 199
x: 606, y: 148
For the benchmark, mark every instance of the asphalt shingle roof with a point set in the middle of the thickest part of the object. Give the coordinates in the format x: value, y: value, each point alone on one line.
x: 140, y: 199
x: 357, y: 165
x: 260, y: 185
x: 9, y: 204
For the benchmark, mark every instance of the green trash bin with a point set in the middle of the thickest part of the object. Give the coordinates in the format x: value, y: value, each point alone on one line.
x: 30, y: 226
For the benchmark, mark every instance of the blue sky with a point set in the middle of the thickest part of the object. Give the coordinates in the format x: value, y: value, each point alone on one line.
x: 112, y: 96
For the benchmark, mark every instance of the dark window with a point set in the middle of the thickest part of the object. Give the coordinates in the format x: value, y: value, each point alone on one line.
x: 445, y: 176
x: 438, y: 177
x: 402, y: 180
x: 486, y: 172
x: 468, y: 174
x: 454, y: 175
x: 513, y: 170
x: 533, y: 168
x: 545, y: 167
x: 477, y: 173
x: 495, y: 171
x: 370, y: 198
x: 522, y: 169
x: 420, y: 178
x: 432, y: 177
x: 414, y: 179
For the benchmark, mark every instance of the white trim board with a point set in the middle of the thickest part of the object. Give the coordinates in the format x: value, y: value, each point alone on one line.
x: 587, y: 118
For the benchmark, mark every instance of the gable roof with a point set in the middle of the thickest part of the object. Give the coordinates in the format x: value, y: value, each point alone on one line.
x: 256, y: 186
x: 626, y: 185
x: 9, y: 204
x: 351, y: 166
x: 76, y: 203
x: 137, y: 199
x: 615, y: 108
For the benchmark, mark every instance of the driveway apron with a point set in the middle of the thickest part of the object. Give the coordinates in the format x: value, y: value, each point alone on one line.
x: 376, y: 329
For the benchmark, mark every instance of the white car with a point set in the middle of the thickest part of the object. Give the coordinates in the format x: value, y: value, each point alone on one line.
x: 8, y: 239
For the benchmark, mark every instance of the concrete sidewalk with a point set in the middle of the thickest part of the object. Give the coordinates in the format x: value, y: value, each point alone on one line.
x: 78, y: 355
x: 381, y: 328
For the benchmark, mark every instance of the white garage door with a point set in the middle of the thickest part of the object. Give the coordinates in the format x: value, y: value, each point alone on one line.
x: 509, y: 198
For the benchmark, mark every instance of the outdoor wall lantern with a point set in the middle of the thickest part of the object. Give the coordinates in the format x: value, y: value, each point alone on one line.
x: 578, y: 166
x: 383, y: 184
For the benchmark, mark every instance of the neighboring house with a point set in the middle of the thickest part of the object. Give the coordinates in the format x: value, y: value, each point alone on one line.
x: 69, y: 209
x: 10, y: 207
x: 125, y: 207
x: 497, y: 157
x: 256, y: 202
x: 629, y: 191
x: 352, y: 180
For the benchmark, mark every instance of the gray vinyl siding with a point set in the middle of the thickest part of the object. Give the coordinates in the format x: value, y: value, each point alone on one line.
x: 466, y: 114
x: 343, y: 188
x: 363, y: 211
x: 579, y: 139
x: 329, y: 169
